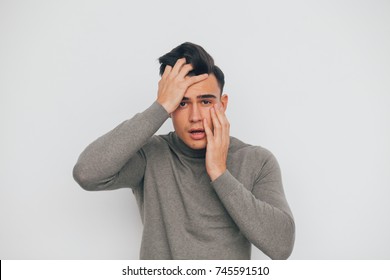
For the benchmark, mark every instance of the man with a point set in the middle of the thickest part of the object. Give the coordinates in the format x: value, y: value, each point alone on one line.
x: 202, y: 194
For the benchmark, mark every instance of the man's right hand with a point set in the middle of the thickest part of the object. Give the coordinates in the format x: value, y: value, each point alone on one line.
x: 174, y: 84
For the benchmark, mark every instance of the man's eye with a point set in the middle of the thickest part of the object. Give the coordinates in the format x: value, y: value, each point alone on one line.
x: 206, y: 102
x: 182, y: 104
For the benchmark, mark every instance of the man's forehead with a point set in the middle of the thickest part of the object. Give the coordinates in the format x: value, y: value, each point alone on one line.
x: 208, y: 86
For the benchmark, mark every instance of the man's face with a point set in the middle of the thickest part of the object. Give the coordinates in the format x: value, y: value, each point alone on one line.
x: 188, y: 117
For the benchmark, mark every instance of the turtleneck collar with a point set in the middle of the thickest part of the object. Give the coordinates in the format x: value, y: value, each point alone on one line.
x: 184, y: 149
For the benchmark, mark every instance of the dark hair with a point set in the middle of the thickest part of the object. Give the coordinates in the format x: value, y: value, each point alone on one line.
x: 200, y: 60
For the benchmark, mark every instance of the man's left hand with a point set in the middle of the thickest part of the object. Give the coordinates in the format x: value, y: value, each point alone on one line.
x: 217, y: 142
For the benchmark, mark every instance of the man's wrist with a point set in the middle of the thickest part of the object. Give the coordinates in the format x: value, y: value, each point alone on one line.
x: 165, y: 106
x: 215, y: 174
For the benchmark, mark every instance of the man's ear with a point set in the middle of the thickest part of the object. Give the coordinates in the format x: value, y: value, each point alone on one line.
x: 224, y: 101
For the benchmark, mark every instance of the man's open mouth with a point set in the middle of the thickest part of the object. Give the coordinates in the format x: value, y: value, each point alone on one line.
x: 197, y: 133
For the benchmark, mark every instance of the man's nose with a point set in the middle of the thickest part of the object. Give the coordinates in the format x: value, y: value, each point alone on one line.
x: 195, y: 114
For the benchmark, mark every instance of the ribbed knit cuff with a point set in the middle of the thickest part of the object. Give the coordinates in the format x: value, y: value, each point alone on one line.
x: 156, y: 114
x: 225, y: 184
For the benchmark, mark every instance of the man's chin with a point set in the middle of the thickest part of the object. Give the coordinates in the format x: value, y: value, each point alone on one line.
x: 196, y: 144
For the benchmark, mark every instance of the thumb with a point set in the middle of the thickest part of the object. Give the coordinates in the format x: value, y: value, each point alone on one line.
x: 207, y: 129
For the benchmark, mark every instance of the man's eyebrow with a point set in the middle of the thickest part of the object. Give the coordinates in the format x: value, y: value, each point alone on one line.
x: 206, y: 96
x: 203, y: 96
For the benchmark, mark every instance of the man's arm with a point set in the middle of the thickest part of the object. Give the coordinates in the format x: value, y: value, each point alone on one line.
x: 99, y: 165
x: 115, y: 159
x: 262, y: 214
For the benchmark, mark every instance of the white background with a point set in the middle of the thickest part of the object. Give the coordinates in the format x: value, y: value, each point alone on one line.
x: 309, y: 80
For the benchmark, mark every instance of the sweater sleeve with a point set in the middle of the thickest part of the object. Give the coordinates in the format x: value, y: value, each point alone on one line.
x: 262, y: 214
x: 116, y: 160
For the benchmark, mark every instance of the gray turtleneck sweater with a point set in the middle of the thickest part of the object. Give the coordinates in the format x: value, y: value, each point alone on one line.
x: 185, y: 215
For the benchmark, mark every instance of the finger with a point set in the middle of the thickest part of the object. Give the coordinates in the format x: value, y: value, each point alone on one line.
x: 178, y: 65
x: 225, y: 125
x: 216, y: 124
x: 207, y: 129
x: 222, y: 117
x: 167, y: 70
x: 195, y: 79
x: 185, y: 70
